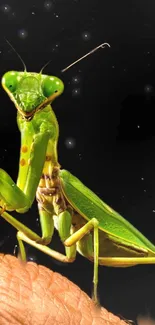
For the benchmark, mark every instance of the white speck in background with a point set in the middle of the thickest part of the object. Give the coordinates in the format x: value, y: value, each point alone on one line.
x: 86, y: 36
x: 48, y: 5
x: 80, y: 156
x: 70, y: 143
x: 148, y: 89
x: 76, y: 79
x: 56, y: 15
x: 6, y: 8
x: 32, y: 258
x: 22, y: 33
x: 15, y: 250
x: 76, y: 92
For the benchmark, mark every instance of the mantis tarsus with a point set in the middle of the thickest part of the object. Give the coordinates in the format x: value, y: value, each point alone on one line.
x: 85, y: 223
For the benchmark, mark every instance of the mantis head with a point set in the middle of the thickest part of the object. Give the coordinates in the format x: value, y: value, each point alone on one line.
x: 31, y: 91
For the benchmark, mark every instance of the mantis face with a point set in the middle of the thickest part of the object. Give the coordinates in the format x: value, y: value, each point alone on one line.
x: 31, y: 91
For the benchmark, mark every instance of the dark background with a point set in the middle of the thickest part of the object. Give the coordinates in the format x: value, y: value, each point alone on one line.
x: 106, y: 121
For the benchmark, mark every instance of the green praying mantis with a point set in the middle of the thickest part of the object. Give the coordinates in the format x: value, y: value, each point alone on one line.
x: 84, y: 222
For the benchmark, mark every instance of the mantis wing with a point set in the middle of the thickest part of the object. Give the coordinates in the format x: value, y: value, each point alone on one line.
x: 89, y: 205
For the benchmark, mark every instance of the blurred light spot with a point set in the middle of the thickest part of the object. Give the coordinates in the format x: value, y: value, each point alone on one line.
x: 32, y: 258
x: 148, y: 89
x: 76, y: 92
x: 86, y: 36
x: 15, y: 251
x: 55, y: 47
x: 6, y: 8
x: 22, y: 33
x: 48, y: 5
x: 70, y: 143
x: 76, y: 79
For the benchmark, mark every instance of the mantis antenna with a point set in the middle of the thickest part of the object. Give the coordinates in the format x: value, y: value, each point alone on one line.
x: 17, y: 55
x: 101, y: 46
x: 84, y: 56
x: 45, y: 65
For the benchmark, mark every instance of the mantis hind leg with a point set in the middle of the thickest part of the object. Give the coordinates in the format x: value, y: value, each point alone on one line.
x: 87, y: 248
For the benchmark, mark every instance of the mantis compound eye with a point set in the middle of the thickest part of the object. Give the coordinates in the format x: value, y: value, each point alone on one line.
x: 10, y: 81
x: 52, y: 85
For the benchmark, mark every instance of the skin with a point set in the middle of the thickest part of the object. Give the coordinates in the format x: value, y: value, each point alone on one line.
x: 33, y: 294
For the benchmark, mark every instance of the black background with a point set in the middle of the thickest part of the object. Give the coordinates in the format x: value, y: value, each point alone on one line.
x: 110, y: 119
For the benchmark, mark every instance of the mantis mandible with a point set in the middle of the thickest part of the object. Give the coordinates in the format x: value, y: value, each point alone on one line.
x: 85, y: 223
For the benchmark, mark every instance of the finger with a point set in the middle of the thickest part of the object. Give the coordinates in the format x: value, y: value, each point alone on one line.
x: 32, y: 294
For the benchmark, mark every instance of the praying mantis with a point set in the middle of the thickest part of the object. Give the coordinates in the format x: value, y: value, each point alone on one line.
x: 84, y: 222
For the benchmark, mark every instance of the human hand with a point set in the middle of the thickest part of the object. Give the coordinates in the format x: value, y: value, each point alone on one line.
x: 31, y: 294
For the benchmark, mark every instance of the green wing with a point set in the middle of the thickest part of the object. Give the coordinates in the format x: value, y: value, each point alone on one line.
x: 89, y: 205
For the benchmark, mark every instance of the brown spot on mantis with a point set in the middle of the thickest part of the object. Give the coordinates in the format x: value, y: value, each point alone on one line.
x: 48, y: 158
x: 22, y: 162
x: 24, y: 149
